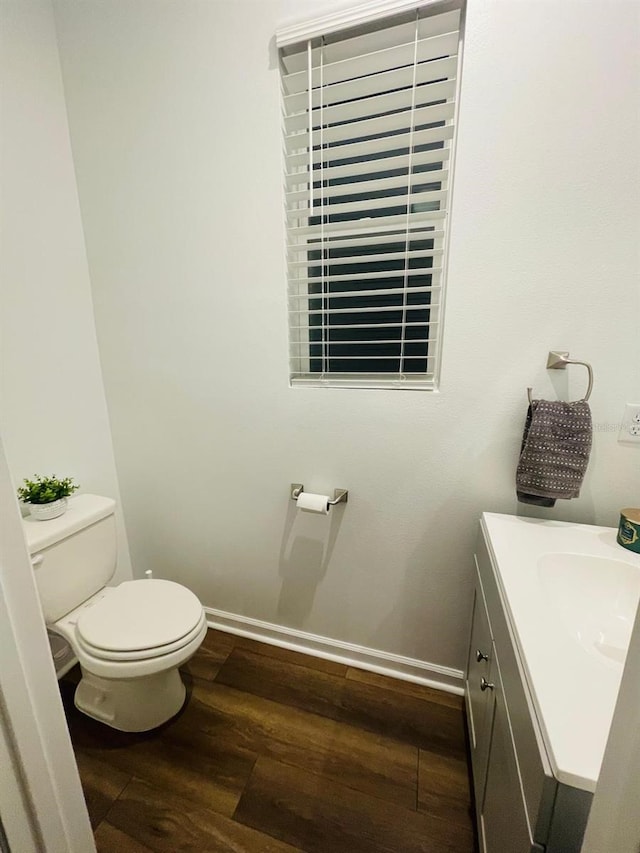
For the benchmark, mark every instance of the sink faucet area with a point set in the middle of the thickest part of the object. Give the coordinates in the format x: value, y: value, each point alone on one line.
x: 571, y: 594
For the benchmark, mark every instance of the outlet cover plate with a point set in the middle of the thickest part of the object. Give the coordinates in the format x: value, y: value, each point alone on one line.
x: 630, y: 426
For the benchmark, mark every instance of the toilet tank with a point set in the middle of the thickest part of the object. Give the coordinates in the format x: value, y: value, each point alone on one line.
x: 73, y: 555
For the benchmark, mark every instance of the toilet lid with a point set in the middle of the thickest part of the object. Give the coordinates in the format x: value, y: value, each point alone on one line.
x: 138, y: 615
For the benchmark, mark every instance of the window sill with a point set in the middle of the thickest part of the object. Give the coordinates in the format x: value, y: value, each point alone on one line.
x: 395, y: 384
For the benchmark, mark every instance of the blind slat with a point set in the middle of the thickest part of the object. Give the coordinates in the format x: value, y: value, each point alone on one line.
x: 329, y: 326
x: 384, y: 238
x: 382, y: 223
x: 365, y: 148
x: 375, y: 185
x: 352, y: 172
x: 394, y: 358
x: 377, y: 309
x: 349, y: 131
x: 381, y: 202
x: 368, y: 276
x: 396, y: 256
x: 350, y: 294
x: 374, y: 104
x: 364, y: 343
x: 396, y: 78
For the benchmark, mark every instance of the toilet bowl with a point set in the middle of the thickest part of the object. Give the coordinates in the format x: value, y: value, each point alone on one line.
x: 129, y: 639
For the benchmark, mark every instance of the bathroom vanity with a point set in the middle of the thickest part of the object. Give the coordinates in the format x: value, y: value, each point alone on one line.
x: 553, y: 611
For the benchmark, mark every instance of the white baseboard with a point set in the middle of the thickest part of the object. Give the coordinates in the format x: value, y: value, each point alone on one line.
x: 362, y: 657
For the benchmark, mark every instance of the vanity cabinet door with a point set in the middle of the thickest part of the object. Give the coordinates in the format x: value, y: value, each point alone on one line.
x: 479, y: 700
x: 503, y: 822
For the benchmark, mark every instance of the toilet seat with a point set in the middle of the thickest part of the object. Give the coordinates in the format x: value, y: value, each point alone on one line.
x: 139, y: 620
x: 141, y: 654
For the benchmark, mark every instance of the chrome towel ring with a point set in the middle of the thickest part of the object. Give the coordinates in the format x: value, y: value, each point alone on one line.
x: 558, y: 361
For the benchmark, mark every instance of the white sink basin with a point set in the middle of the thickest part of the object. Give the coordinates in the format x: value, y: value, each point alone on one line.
x: 596, y: 599
x: 570, y: 593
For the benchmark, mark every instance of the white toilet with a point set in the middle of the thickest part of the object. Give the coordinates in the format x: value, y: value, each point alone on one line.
x: 130, y: 639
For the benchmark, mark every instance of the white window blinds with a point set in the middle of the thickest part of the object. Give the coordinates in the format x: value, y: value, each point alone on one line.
x: 368, y: 130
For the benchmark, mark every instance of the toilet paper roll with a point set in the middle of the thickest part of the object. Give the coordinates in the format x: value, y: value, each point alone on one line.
x: 308, y: 502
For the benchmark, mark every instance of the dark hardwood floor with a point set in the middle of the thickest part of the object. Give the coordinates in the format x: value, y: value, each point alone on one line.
x: 276, y: 752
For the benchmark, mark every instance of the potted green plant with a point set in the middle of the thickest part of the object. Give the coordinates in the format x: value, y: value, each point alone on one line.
x: 46, y: 496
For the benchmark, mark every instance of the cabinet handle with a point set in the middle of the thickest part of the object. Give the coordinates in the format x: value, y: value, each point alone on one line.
x: 480, y: 656
x: 486, y: 685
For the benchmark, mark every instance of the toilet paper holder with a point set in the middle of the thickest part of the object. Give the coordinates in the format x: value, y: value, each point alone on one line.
x: 340, y: 496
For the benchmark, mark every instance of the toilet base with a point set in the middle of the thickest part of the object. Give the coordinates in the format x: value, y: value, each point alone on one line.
x: 131, y: 704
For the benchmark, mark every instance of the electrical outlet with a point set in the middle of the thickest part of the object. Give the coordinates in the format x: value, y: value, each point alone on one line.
x: 630, y: 426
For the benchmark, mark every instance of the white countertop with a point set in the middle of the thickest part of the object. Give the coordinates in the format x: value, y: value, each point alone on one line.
x: 574, y: 690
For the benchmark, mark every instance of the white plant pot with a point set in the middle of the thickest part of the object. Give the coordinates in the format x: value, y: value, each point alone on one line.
x: 43, y: 512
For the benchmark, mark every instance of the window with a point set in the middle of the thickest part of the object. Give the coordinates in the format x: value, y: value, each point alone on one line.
x: 368, y: 137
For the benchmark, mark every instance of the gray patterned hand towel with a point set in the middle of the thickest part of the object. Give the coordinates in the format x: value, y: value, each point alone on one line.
x: 555, y: 451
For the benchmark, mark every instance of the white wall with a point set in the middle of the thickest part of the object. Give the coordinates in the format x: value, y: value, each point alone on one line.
x: 175, y: 121
x: 53, y: 412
